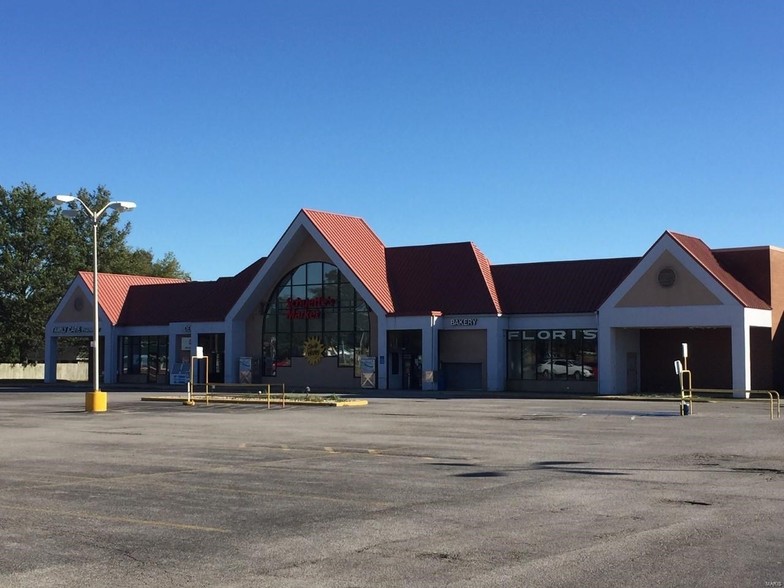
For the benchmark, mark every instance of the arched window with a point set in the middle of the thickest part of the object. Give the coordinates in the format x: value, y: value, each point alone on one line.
x: 315, y: 301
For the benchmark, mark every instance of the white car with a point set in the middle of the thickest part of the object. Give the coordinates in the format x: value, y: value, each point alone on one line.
x: 561, y: 367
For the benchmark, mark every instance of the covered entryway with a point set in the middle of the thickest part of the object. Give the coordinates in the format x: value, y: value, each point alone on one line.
x: 710, y: 358
x: 681, y: 292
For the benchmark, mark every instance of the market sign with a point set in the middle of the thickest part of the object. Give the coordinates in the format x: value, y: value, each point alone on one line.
x: 308, y: 308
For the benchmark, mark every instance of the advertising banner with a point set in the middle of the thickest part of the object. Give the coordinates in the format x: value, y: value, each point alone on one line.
x: 367, y: 367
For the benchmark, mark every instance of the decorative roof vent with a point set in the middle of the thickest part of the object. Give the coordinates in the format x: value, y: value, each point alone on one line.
x: 667, y: 277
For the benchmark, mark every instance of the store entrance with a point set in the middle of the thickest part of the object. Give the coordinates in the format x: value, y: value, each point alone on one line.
x: 710, y: 358
x: 213, y: 345
x: 405, y: 360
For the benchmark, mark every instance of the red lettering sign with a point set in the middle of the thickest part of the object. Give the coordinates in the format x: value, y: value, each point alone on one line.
x: 307, y: 308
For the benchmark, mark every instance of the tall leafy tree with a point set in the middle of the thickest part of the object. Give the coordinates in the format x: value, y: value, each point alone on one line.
x: 30, y: 277
x: 116, y: 256
x: 40, y: 252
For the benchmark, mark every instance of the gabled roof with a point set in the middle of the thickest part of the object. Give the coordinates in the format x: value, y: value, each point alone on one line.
x: 559, y: 286
x: 703, y: 255
x: 162, y: 304
x: 113, y: 289
x: 360, y: 248
x: 453, y: 278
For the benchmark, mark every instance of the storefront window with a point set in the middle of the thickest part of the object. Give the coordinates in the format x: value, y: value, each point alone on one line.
x: 146, y: 356
x: 315, y: 301
x: 557, y: 354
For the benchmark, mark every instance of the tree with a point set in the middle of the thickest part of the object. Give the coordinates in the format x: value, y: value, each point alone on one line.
x: 116, y: 256
x: 31, y: 278
x: 141, y: 262
x: 40, y: 253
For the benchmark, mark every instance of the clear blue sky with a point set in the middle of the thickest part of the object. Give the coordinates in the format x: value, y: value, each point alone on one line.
x: 540, y: 130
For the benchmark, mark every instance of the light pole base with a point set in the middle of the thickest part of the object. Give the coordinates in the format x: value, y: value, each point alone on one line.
x: 95, y: 401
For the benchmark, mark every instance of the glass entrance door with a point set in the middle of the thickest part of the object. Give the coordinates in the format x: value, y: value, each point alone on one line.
x: 404, y: 371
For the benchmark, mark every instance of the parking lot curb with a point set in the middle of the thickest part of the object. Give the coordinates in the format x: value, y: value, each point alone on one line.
x: 241, y: 400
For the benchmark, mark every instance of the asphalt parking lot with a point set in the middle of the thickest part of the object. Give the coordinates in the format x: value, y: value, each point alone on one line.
x: 402, y: 492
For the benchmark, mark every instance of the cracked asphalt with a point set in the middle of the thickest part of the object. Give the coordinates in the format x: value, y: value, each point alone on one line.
x: 403, y: 492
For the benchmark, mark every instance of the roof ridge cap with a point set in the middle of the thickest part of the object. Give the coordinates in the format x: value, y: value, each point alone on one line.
x: 307, y: 212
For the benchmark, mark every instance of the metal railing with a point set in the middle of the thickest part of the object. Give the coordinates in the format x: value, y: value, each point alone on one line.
x: 687, y: 391
x: 215, y: 389
x: 773, y: 395
x: 687, y: 395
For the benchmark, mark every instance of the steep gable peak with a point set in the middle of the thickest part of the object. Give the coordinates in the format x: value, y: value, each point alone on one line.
x: 699, y: 251
x: 358, y: 246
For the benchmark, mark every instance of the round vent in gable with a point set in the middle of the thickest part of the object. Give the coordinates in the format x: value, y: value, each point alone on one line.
x: 667, y: 277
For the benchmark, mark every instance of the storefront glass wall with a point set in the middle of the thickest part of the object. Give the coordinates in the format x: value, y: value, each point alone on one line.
x: 315, y: 308
x: 146, y: 356
x: 556, y: 354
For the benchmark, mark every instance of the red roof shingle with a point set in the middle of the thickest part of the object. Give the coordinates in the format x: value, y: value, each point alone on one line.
x: 113, y: 289
x: 186, y: 302
x: 360, y: 248
x: 751, y: 266
x: 453, y: 278
x: 559, y: 286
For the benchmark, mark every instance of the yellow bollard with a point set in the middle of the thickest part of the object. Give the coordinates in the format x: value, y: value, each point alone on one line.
x: 96, y: 401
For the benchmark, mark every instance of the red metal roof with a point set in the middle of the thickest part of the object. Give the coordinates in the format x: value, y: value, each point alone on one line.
x: 113, y: 289
x: 453, y: 278
x: 559, y: 286
x: 751, y: 266
x: 360, y: 248
x: 186, y: 302
x: 487, y: 274
x: 706, y: 258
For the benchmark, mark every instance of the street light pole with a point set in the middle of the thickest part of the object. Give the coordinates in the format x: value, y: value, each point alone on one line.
x: 95, y: 401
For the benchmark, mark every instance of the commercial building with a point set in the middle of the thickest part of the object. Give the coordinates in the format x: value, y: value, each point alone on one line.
x: 332, y: 308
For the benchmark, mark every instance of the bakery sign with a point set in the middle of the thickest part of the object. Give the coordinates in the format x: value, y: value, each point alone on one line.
x: 308, y: 308
x: 463, y: 322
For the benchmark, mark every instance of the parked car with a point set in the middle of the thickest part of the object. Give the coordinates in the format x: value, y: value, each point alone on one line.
x: 561, y: 367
